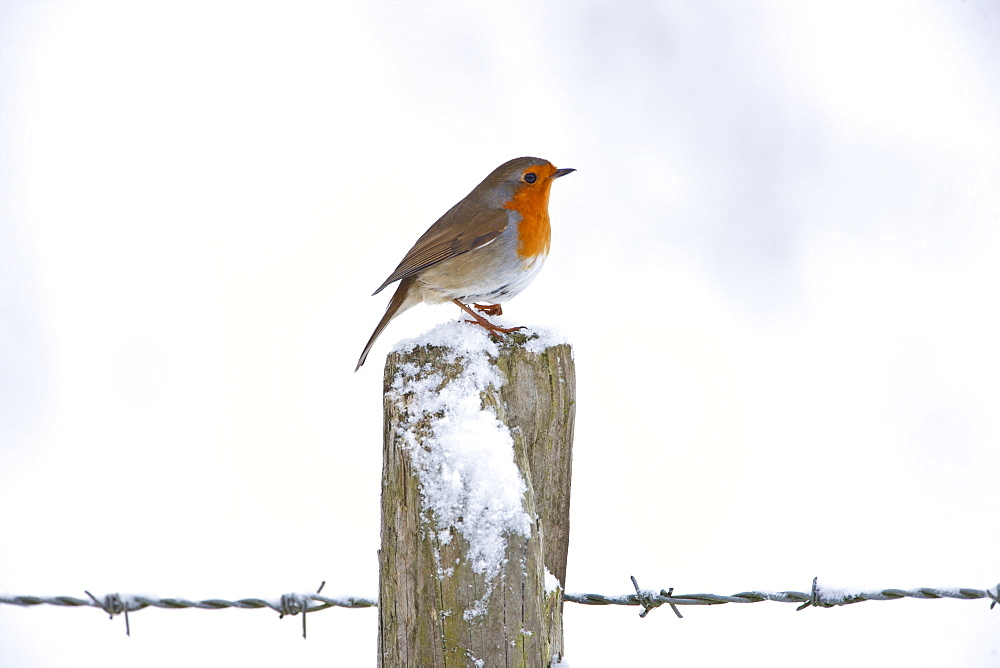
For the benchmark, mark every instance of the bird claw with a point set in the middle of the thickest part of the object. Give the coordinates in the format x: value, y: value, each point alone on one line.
x: 489, y: 309
x: 495, y: 330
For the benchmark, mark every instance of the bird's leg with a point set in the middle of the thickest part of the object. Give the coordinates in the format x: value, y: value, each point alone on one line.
x: 489, y: 309
x: 484, y: 323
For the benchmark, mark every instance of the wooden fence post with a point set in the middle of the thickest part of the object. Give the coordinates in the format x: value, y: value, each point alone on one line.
x: 475, y: 503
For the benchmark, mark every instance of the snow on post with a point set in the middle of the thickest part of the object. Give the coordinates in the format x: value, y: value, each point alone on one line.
x: 475, y: 498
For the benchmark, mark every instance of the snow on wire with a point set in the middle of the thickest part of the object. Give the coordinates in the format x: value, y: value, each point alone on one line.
x: 293, y: 604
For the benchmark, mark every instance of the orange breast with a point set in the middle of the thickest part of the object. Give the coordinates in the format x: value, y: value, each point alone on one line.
x: 533, y: 232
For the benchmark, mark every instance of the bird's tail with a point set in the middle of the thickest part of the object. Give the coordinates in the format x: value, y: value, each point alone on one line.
x: 401, y: 300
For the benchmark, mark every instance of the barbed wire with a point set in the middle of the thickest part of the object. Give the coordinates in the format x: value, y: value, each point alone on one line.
x: 817, y: 597
x: 293, y: 604
x: 116, y: 604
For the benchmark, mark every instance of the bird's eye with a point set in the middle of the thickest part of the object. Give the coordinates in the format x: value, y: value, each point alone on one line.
x: 530, y: 177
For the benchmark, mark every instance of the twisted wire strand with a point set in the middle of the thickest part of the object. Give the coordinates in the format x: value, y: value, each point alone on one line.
x: 293, y: 604
x: 818, y: 597
x: 115, y: 604
x: 138, y: 602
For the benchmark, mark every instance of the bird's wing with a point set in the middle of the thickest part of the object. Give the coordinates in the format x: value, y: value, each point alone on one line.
x: 456, y: 232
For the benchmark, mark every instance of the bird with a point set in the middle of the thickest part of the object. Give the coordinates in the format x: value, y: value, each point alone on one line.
x: 488, y: 247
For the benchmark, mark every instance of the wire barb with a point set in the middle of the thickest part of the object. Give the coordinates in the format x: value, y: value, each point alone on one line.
x: 667, y: 594
x: 994, y: 598
x: 293, y: 604
x: 645, y: 599
x: 814, y: 597
x: 650, y: 601
x: 113, y: 605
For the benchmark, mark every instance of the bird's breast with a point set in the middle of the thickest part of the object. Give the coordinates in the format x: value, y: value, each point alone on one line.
x: 533, y: 231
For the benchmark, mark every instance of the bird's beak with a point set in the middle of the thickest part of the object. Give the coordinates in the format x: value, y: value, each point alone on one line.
x: 561, y: 172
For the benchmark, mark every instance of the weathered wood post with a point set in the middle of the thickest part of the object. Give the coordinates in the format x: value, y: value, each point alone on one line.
x: 475, y: 500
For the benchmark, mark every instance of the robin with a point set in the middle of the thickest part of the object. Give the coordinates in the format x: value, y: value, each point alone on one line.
x: 487, y: 247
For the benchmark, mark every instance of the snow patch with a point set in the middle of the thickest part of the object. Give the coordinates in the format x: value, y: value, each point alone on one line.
x: 541, y: 338
x: 463, y: 455
x: 551, y: 582
x: 462, y: 340
x: 466, y: 339
x: 835, y: 594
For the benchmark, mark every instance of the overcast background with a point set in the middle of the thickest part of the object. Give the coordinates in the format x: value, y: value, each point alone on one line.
x: 779, y: 264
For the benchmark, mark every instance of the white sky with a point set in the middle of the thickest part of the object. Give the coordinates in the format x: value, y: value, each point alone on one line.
x: 777, y: 262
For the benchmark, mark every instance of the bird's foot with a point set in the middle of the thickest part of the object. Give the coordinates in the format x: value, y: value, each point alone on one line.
x: 489, y: 309
x: 495, y: 330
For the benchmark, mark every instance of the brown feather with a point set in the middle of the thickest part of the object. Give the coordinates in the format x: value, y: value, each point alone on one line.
x: 400, y: 302
x: 456, y: 232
